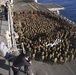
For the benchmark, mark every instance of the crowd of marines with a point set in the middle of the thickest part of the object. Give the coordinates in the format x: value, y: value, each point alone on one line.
x: 36, y: 29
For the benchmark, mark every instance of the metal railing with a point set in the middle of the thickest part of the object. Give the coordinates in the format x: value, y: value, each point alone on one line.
x: 70, y: 21
x: 10, y: 25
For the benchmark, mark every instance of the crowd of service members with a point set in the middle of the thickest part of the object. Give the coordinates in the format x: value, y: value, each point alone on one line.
x: 37, y: 28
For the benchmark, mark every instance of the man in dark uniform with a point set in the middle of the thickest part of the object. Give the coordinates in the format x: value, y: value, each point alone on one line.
x: 21, y: 60
x: 6, y: 12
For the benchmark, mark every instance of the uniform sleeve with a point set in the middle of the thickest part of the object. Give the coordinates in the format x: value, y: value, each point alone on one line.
x: 25, y: 62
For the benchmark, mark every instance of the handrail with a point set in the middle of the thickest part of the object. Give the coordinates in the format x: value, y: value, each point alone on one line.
x: 10, y: 25
x: 70, y: 21
x: 11, y: 29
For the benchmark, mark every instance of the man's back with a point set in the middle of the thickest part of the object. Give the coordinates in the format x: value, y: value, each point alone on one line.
x: 20, y: 61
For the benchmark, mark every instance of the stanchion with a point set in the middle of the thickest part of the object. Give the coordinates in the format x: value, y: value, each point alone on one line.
x: 9, y: 68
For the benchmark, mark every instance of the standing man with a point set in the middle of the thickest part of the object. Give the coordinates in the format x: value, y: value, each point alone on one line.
x: 21, y: 60
x: 6, y: 11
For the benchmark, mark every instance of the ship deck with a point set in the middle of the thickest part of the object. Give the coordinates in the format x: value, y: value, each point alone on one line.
x: 38, y: 68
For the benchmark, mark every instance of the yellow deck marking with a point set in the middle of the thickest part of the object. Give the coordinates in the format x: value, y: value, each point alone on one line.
x: 32, y: 6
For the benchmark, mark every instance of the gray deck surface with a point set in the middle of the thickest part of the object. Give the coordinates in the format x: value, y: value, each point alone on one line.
x: 23, y: 5
x: 40, y: 68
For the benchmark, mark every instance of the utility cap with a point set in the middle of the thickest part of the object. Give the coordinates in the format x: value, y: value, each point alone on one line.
x: 28, y: 54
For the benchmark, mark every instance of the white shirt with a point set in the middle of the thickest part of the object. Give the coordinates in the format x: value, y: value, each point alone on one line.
x: 57, y: 41
x: 3, y: 49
